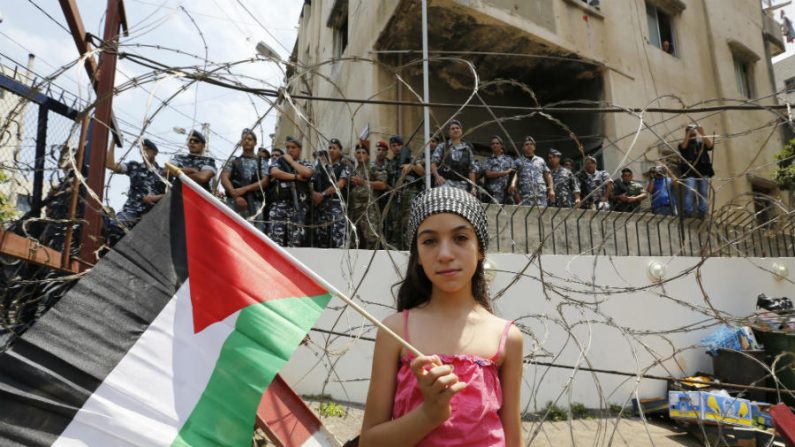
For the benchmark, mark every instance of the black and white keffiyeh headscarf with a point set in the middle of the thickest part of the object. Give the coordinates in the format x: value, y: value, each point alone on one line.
x: 449, y: 200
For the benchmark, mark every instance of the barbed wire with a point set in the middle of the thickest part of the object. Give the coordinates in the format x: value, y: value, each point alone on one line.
x: 579, y: 306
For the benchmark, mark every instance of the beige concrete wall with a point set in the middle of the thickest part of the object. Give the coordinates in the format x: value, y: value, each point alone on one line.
x: 635, y: 74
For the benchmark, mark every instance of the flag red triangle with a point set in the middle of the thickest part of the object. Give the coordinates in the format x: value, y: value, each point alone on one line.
x: 230, y: 267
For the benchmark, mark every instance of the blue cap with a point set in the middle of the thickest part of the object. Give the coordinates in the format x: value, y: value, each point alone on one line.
x: 150, y: 145
x: 198, y: 135
x: 396, y: 139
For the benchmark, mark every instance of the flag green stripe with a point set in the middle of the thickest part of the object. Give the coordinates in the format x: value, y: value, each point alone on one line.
x: 265, y: 336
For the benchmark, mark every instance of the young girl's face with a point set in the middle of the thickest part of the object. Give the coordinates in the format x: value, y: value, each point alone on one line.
x: 448, y: 251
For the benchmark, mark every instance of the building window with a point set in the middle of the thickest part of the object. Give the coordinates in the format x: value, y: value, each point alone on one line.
x: 341, y: 39
x: 789, y: 85
x: 742, y: 74
x: 338, y: 21
x: 661, y: 32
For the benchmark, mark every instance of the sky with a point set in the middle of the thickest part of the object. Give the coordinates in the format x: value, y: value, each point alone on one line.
x: 231, y: 30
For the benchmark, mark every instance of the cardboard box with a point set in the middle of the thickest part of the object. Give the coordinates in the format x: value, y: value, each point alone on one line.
x: 709, y: 407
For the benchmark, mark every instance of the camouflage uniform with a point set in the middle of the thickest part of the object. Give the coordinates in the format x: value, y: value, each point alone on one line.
x: 631, y: 189
x: 454, y: 163
x: 244, y: 171
x: 362, y: 209
x: 596, y: 185
x: 198, y: 162
x: 401, y: 203
x: 382, y: 168
x: 496, y: 187
x: 530, y: 180
x: 143, y: 182
x: 330, y: 217
x: 566, y: 185
x: 287, y: 215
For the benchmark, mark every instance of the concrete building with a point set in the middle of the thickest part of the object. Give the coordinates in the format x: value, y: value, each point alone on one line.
x: 546, y: 52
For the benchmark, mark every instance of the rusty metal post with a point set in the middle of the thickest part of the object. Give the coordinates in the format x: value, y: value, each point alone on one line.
x: 91, y: 234
x: 67, y: 246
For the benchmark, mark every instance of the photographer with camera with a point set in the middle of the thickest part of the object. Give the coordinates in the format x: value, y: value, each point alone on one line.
x: 245, y: 179
x: 695, y: 168
x: 660, y: 186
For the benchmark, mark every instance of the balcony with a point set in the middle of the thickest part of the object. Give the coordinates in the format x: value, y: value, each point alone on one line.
x: 771, y: 30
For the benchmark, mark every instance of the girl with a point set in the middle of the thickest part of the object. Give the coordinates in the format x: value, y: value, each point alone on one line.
x: 468, y: 393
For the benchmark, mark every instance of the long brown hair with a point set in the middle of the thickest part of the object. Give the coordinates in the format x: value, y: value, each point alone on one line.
x: 415, y: 290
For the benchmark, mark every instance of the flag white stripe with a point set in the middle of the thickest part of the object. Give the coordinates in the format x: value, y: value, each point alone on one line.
x: 150, y: 394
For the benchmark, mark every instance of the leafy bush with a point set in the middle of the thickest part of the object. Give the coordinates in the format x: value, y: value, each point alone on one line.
x: 785, y: 172
x: 331, y: 409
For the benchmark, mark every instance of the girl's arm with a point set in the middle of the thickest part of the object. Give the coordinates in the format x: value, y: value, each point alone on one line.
x: 511, y: 382
x: 378, y: 427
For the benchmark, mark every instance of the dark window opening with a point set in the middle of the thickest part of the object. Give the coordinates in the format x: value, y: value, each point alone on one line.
x: 789, y: 85
x: 763, y: 205
x: 742, y: 74
x: 661, y: 32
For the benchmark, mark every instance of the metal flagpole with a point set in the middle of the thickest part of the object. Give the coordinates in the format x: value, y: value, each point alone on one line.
x: 426, y: 113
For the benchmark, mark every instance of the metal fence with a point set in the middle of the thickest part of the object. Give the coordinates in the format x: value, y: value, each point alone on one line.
x: 37, y: 132
x: 730, y: 233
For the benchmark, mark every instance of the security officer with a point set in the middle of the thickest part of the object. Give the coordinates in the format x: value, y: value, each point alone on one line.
x: 499, y: 168
x: 406, y: 179
x: 200, y: 168
x: 245, y: 179
x: 453, y: 162
x: 567, y: 186
x: 146, y: 184
x: 290, y: 177
x: 330, y: 184
x: 366, y: 182
x: 532, y: 185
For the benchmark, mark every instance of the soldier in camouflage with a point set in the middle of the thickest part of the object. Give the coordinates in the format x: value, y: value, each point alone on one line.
x: 200, y: 168
x: 330, y: 182
x: 245, y: 179
x: 628, y: 194
x: 453, y: 162
x: 289, y: 176
x: 146, y: 185
x: 366, y: 182
x: 499, y: 168
x: 567, y: 186
x: 406, y: 179
x: 532, y: 185
x: 598, y: 184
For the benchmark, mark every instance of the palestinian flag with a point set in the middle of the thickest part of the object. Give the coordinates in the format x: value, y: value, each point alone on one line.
x: 170, y: 340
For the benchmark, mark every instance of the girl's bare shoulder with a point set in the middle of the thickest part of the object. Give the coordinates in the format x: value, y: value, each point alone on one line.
x: 394, y: 322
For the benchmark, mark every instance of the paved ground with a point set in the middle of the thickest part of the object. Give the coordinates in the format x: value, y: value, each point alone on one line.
x: 598, y: 432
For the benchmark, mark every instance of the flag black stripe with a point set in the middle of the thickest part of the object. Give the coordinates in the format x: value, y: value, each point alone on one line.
x: 50, y: 372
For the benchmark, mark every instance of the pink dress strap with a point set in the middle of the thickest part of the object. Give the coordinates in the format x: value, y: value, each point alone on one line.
x: 406, y: 331
x: 503, y: 339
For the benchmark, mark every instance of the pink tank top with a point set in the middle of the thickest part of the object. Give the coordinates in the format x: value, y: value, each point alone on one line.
x: 475, y: 420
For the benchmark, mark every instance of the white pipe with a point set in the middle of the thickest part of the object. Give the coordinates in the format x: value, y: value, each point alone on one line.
x: 426, y: 113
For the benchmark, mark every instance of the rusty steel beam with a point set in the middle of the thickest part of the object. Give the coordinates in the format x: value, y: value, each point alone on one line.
x: 91, y: 234
x: 31, y: 250
x: 67, y: 250
x: 75, y: 23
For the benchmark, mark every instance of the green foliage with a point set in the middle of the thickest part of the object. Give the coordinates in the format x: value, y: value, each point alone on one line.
x: 785, y: 172
x: 554, y: 412
x: 578, y: 410
x: 615, y: 408
x: 331, y: 409
x: 7, y: 211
